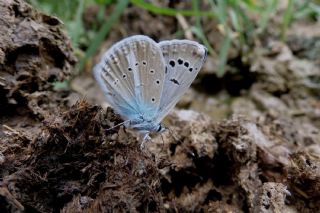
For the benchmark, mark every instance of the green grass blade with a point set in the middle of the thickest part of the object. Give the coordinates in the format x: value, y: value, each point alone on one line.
x: 195, y: 6
x: 75, y: 35
x: 235, y: 21
x: 224, y: 54
x: 287, y: 19
x: 118, y: 10
x: 198, y: 30
x: 271, y: 6
x: 169, y: 11
x: 223, y: 11
x: 199, y: 33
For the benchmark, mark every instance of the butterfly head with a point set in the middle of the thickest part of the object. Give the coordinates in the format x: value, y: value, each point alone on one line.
x: 142, y: 124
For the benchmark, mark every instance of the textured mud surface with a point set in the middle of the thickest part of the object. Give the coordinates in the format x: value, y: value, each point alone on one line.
x: 58, y: 157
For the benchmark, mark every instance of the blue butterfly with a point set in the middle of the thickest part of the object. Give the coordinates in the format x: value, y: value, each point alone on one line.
x: 143, y: 80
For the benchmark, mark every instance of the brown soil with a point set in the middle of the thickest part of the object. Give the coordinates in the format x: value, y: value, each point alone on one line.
x: 56, y: 155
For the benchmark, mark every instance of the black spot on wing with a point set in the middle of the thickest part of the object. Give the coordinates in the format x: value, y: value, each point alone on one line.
x: 175, y: 81
x: 104, y: 69
x: 111, y: 94
x: 172, y: 63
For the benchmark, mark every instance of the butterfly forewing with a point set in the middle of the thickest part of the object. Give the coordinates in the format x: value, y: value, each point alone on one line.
x: 131, y: 75
x: 184, y: 60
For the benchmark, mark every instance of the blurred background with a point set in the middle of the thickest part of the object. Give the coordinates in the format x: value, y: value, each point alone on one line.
x: 264, y: 55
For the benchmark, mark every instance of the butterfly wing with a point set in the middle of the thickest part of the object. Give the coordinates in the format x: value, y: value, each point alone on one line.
x: 131, y: 76
x: 184, y: 60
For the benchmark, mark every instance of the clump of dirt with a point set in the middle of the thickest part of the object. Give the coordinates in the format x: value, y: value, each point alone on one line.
x: 198, y: 165
x: 304, y: 179
x: 34, y: 52
x: 235, y: 165
x: 73, y: 161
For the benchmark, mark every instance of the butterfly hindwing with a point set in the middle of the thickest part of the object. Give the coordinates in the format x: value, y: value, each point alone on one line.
x: 184, y: 60
x: 131, y: 76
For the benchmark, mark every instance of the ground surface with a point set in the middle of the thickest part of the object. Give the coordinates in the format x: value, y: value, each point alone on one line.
x: 255, y: 146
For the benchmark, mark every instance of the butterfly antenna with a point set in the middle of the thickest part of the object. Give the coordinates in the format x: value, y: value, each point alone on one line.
x: 118, y: 125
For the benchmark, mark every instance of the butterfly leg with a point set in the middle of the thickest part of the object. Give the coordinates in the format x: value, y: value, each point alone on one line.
x: 144, y: 136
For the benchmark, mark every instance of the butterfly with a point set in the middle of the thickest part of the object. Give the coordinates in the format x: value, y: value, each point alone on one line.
x: 143, y: 80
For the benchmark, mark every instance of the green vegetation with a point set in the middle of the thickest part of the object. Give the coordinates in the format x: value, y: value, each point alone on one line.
x: 235, y: 18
